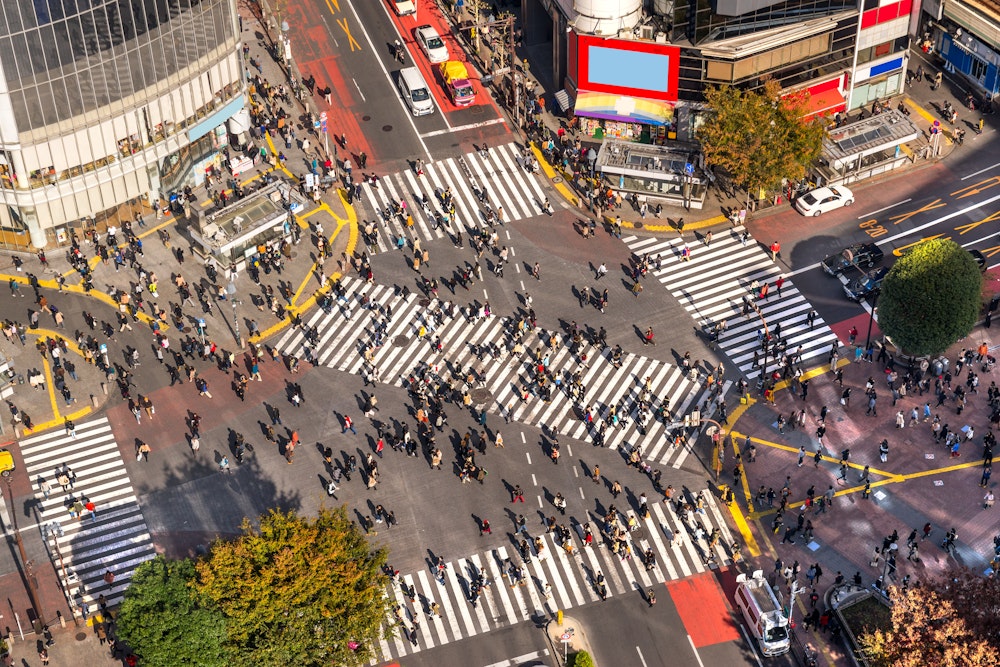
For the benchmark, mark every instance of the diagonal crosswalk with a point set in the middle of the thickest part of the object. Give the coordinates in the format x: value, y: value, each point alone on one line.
x: 353, y: 338
x: 498, y: 173
x: 87, y: 547
x: 712, y: 285
x: 558, y: 577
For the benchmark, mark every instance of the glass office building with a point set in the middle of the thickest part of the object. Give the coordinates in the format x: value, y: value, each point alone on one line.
x: 105, y: 105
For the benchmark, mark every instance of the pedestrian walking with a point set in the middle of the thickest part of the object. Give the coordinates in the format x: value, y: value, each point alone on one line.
x: 142, y: 451
x: 348, y: 425
x: 484, y: 528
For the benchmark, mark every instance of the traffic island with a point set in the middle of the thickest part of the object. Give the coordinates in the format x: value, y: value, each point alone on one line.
x: 568, y: 642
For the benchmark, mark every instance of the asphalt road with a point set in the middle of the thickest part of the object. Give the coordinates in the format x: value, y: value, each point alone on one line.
x: 957, y: 199
x: 349, y: 46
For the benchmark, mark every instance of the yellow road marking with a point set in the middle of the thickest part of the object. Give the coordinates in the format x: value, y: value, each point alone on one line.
x: 962, y: 229
x: 51, y: 389
x: 350, y: 38
x: 901, y: 250
x: 96, y: 294
x: 903, y: 217
x: 744, y: 528
x: 977, y: 188
x: 352, y: 225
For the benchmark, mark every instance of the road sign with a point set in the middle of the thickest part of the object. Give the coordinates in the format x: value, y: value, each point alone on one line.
x: 689, y: 168
x: 322, y: 122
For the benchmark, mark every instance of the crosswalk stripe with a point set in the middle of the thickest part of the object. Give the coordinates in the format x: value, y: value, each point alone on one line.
x: 118, y: 539
x: 343, y: 336
x: 570, y: 575
x: 500, y: 171
x: 711, y: 287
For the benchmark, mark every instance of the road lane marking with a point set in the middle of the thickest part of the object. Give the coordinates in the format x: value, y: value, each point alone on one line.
x: 976, y: 173
x: 406, y: 112
x: 886, y: 208
x: 463, y: 128
x: 363, y: 98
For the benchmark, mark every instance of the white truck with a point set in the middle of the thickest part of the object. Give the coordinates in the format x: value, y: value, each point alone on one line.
x: 764, y: 615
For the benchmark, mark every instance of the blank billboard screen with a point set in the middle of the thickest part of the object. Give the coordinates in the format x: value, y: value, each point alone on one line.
x: 629, y: 69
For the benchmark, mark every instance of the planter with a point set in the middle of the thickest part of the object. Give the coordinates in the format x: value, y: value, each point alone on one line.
x: 860, y: 613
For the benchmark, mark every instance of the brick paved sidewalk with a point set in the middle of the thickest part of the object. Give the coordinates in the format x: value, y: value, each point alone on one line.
x: 919, y: 483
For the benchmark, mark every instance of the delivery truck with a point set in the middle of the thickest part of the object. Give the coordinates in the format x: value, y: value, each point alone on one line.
x: 455, y: 79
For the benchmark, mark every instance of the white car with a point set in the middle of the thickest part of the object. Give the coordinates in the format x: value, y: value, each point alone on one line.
x: 432, y: 44
x: 404, y: 7
x: 823, y: 200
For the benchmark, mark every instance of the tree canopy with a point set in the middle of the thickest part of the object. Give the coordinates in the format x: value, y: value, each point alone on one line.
x: 953, y: 620
x: 298, y: 591
x: 931, y: 297
x: 758, y: 136
x: 165, y: 619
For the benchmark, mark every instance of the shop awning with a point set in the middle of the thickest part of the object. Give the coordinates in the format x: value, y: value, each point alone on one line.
x: 623, y: 108
x: 829, y: 101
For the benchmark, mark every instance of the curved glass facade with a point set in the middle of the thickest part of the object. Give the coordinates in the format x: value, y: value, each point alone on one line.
x: 63, y: 58
x: 106, y: 105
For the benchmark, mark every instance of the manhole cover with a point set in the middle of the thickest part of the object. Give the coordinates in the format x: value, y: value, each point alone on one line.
x: 557, y: 179
x: 387, y: 128
x: 366, y: 118
x: 186, y: 329
x: 424, y: 302
x: 400, y: 341
x: 637, y: 225
x: 476, y: 110
x: 294, y: 255
x: 481, y: 395
x: 80, y: 636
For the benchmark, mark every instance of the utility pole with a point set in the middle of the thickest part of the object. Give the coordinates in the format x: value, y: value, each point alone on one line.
x: 29, y: 575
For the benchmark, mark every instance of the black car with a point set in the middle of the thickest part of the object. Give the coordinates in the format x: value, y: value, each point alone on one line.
x: 862, y: 286
x: 860, y: 254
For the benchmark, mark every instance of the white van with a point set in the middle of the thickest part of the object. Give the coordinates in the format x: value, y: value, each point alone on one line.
x: 763, y: 614
x: 414, y: 90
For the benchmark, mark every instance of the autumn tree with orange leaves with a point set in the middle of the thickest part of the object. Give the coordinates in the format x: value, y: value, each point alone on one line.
x: 954, y: 620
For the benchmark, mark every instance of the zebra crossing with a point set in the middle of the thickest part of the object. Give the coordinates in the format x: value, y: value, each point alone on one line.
x: 86, y: 547
x: 500, y: 170
x: 711, y: 287
x: 347, y: 332
x: 559, y: 579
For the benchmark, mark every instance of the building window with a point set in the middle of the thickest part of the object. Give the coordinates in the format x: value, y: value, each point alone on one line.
x: 883, y: 49
x: 978, y: 71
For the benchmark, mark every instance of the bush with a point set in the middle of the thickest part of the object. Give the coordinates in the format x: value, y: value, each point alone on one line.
x: 582, y: 659
x: 931, y: 297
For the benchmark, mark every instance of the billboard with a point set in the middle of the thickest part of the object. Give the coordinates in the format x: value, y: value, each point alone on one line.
x: 626, y: 67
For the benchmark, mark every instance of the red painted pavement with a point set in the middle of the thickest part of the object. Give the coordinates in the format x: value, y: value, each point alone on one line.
x: 861, y: 322
x: 703, y: 609
x: 428, y: 13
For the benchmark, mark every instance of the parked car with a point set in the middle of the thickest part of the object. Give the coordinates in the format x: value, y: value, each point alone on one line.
x: 432, y: 44
x: 823, y: 200
x: 859, y: 254
x: 862, y: 286
x: 404, y: 7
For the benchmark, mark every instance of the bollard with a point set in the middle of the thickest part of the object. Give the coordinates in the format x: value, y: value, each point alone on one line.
x: 62, y: 619
x: 559, y: 618
x: 94, y: 401
x: 104, y: 388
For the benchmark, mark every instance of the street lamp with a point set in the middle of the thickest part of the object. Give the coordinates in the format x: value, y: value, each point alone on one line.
x: 231, y: 291
x: 29, y: 576
x: 871, y: 315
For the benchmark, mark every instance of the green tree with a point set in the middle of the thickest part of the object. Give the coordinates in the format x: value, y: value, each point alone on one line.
x: 166, y: 621
x: 947, y: 621
x: 931, y: 297
x: 758, y: 136
x: 299, y: 591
